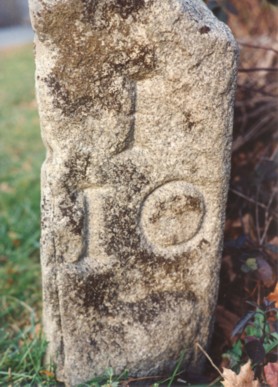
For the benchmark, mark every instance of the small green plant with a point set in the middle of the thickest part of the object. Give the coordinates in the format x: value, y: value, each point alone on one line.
x: 256, y: 337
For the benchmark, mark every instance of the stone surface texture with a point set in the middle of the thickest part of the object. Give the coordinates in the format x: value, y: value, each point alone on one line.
x: 136, y: 109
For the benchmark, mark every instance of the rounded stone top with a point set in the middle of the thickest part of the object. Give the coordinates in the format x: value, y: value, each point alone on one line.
x: 172, y: 214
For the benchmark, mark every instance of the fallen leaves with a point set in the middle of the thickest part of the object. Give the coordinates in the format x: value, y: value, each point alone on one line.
x: 245, y: 378
x: 274, y: 296
x: 47, y: 373
x: 14, y: 237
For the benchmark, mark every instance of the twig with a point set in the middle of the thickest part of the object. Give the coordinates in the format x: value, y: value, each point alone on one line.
x: 130, y: 380
x: 246, y: 230
x: 166, y: 380
x: 267, y: 219
x: 255, y: 90
x: 254, y: 69
x: 251, y: 293
x: 266, y: 106
x: 176, y: 369
x: 210, y: 360
x: 179, y: 380
x: 259, y: 293
x: 257, y: 217
x: 270, y: 200
x: 250, y: 200
x: 265, y: 230
x: 260, y: 127
x: 259, y: 47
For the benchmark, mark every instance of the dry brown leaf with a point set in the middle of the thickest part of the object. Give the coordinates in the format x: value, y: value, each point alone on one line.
x: 271, y: 374
x: 249, y: 226
x: 38, y: 328
x: 274, y: 296
x: 47, y: 373
x: 245, y: 378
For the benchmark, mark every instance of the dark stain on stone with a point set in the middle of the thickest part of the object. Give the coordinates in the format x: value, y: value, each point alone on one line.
x: 189, y: 121
x: 86, y: 228
x: 125, y: 174
x: 93, y: 74
x: 204, y: 30
x: 193, y: 203
x: 134, y: 66
x: 44, y: 212
x: 98, y: 289
x: 100, y: 293
x: 89, y: 8
x: 93, y: 342
x: 177, y: 205
x: 105, y: 90
x: 77, y: 167
x: 148, y: 309
x: 63, y: 100
x: 127, y: 7
x: 73, y: 214
x: 106, y: 11
x: 71, y: 203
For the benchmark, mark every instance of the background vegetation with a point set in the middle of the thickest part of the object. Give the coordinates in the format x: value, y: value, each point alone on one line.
x: 21, y: 155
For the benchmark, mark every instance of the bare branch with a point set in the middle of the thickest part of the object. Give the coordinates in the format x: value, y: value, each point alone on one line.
x: 254, y: 69
x: 258, y: 47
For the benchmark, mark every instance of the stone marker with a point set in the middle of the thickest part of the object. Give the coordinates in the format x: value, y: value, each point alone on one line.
x: 136, y: 109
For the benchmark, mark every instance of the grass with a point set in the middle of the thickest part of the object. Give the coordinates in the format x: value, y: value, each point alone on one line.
x: 21, y: 153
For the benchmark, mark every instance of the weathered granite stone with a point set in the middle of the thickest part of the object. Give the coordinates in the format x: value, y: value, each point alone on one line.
x: 136, y: 107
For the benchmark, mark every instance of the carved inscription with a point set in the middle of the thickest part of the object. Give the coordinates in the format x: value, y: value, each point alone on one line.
x: 172, y: 214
